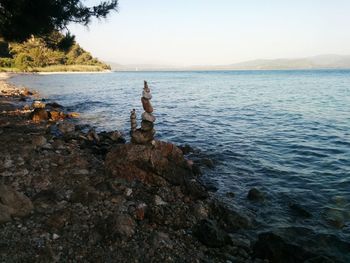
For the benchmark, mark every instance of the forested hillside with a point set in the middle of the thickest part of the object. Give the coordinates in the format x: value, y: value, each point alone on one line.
x: 55, y: 52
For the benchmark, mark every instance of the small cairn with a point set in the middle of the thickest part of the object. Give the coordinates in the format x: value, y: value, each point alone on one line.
x: 145, y: 134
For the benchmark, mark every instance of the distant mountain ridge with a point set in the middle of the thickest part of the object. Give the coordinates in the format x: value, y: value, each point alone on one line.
x: 315, y: 62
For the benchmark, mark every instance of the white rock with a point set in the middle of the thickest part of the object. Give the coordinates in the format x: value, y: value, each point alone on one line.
x: 158, y: 200
x: 146, y: 95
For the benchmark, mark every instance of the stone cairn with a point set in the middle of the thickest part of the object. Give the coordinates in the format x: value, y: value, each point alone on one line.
x: 145, y: 134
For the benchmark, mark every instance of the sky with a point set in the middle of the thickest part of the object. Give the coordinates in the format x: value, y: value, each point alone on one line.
x: 208, y: 32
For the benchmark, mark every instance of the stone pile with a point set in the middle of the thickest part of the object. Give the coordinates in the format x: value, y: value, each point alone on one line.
x: 145, y: 134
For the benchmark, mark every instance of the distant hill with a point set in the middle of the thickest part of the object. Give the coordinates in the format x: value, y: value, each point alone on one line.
x: 316, y: 62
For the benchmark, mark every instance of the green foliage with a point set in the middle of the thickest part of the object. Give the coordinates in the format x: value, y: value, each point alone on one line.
x: 19, y: 19
x: 6, y: 62
x: 23, y: 62
x: 38, y: 53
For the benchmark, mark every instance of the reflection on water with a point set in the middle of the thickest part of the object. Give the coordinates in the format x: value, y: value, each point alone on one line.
x: 284, y: 132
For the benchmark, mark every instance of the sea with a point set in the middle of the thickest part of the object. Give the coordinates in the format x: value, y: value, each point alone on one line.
x: 286, y: 133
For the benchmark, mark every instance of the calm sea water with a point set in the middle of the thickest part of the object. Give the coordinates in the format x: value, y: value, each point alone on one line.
x: 284, y: 132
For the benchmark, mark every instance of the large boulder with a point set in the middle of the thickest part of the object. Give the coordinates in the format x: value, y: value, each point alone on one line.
x: 147, y: 162
x: 13, y: 204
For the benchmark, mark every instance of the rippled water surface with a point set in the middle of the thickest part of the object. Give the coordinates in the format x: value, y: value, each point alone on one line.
x: 284, y: 132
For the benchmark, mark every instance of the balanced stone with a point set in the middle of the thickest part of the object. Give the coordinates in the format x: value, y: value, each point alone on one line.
x: 133, y: 120
x: 142, y: 137
x: 148, y: 117
x: 146, y: 104
x: 146, y: 125
x: 146, y: 95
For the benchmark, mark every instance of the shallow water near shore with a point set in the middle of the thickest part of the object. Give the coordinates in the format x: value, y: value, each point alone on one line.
x: 286, y: 133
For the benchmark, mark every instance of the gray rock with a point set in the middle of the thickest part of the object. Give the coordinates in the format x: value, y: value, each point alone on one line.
x: 255, y: 195
x: 39, y: 141
x: 208, y: 232
x: 66, y: 128
x: 13, y: 203
x: 148, y: 117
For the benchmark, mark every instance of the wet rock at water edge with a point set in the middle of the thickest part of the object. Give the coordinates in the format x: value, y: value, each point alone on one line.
x: 255, y: 195
x: 208, y: 232
x: 38, y: 105
x: 66, y: 128
x: 39, y: 114
x: 274, y: 248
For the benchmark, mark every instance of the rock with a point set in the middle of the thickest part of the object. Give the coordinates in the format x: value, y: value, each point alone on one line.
x: 8, y: 163
x: 161, y: 240
x: 54, y: 105
x: 147, y: 125
x: 230, y: 219
x: 124, y: 226
x: 92, y: 136
x: 56, y: 115
x: 39, y: 141
x: 274, y: 248
x: 38, y: 104
x: 195, y: 189
x: 146, y: 104
x: 148, y: 117
x: 159, y: 201
x: 142, y: 137
x: 13, y: 203
x: 208, y: 232
x: 146, y: 162
x: 39, y: 114
x: 73, y: 115
x: 140, y: 211
x: 146, y: 95
x: 115, y: 135
x: 334, y: 217
x: 299, y: 210
x: 186, y: 149
x: 200, y: 211
x: 255, y: 195
x: 207, y: 162
x: 66, y: 128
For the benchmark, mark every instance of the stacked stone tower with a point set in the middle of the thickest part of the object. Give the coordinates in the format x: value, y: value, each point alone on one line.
x: 145, y: 134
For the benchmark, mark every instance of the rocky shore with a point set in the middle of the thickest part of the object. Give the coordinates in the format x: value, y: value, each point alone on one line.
x: 69, y: 194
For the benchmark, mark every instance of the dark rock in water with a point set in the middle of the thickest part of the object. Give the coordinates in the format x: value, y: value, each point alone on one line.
x: 230, y: 194
x: 146, y: 162
x: 195, y: 189
x: 39, y: 114
x: 207, y: 162
x: 274, y: 248
x: 13, y: 204
x: 255, y: 195
x: 208, y: 232
x: 211, y: 186
x: 230, y: 219
x: 186, y: 149
x: 54, y: 105
x: 197, y: 170
x: 299, y: 210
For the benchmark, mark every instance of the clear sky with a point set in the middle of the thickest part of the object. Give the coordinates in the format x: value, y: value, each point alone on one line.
x: 208, y: 32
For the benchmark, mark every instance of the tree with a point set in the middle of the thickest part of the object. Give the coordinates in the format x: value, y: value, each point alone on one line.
x: 19, y: 19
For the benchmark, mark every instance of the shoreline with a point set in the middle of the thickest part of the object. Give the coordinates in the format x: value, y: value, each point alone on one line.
x: 84, y: 193
x: 80, y: 194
